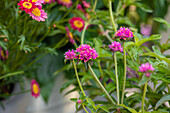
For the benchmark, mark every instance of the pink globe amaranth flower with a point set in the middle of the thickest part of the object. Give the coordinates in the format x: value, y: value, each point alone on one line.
x: 35, y: 89
x: 85, y: 53
x: 38, y: 14
x: 85, y: 4
x: 27, y: 5
x: 79, y: 7
x: 146, y: 69
x: 116, y: 46
x: 77, y: 23
x: 78, y: 101
x: 124, y: 33
x: 145, y: 29
x: 70, y: 55
x: 66, y: 3
x: 70, y: 36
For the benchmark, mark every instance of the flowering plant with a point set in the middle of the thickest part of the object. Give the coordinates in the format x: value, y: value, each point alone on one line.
x: 115, y: 71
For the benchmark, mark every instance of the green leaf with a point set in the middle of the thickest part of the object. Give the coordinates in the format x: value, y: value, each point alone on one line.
x: 106, y: 3
x: 162, y: 21
x: 160, y: 57
x: 156, y: 50
x: 143, y: 80
x: 74, y: 99
x: 65, y: 85
x: 153, y: 37
x: 143, y: 7
x: 102, y: 107
x: 55, y: 32
x: 162, y: 100
x: 124, y: 20
x: 130, y: 109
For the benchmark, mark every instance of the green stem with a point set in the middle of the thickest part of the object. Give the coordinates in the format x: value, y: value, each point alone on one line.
x: 117, y: 81
x: 78, y: 80
x: 95, y: 3
x: 111, y: 15
x: 101, y: 86
x: 84, y: 108
x: 143, y: 99
x: 83, y: 33
x: 124, y: 81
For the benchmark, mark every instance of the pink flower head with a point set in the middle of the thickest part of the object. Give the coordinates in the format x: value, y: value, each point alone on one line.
x: 146, y: 69
x: 85, y: 4
x: 86, y: 53
x: 116, y: 46
x: 145, y: 29
x: 66, y: 3
x: 124, y: 33
x: 78, y: 101
x: 70, y: 36
x: 79, y: 7
x: 38, y: 14
x: 35, y: 89
x: 77, y: 23
x: 27, y: 5
x: 70, y: 55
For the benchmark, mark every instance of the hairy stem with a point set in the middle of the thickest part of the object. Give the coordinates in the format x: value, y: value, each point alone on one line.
x: 124, y: 80
x: 101, y: 86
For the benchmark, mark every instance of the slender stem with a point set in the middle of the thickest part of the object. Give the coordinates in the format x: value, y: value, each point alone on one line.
x: 78, y: 80
x: 94, y: 6
x: 83, y: 33
x: 101, y: 86
x: 143, y: 99
x: 84, y: 108
x: 87, y: 23
x: 124, y: 81
x: 111, y: 15
x: 117, y: 81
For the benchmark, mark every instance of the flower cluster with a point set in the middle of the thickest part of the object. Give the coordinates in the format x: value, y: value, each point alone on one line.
x: 34, y: 9
x: 124, y: 33
x: 146, y: 69
x: 66, y: 3
x: 83, y: 52
x: 35, y: 89
x: 70, y: 55
x: 116, y: 46
x: 77, y: 23
x: 3, y: 54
